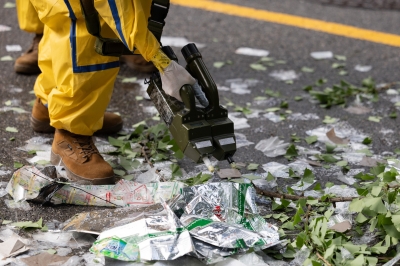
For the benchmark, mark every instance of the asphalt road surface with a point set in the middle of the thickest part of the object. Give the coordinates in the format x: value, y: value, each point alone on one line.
x: 222, y: 31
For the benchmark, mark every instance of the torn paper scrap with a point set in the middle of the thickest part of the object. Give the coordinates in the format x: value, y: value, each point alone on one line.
x: 322, y: 55
x: 178, y: 42
x: 12, y: 246
x: 272, y: 147
x: 362, y: 68
x: 335, y: 139
x: 251, y: 51
x: 284, y: 75
x: 13, y: 48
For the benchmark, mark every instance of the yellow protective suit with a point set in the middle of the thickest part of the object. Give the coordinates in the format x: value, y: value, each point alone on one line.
x: 28, y: 19
x: 76, y: 83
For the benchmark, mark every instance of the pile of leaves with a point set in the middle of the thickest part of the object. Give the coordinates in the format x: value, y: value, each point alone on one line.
x: 340, y: 93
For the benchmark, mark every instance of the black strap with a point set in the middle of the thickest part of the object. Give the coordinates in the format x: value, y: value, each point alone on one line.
x: 114, y: 47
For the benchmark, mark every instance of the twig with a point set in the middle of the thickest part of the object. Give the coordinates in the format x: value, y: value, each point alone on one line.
x: 145, y: 156
x: 322, y: 258
x: 295, y: 197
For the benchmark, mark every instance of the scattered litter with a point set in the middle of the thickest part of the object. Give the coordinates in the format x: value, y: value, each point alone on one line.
x: 251, y: 51
x: 13, y: 48
x: 159, y: 236
x: 12, y: 246
x: 18, y: 110
x: 341, y: 227
x: 265, y: 184
x: 9, y: 5
x: 335, y: 139
x: 23, y: 205
x: 6, y: 58
x: 362, y: 68
x: 2, y: 172
x: 300, y: 257
x: 392, y: 92
x: 342, y: 130
x: 276, y: 169
x: 240, y: 86
x: 15, y: 90
x: 273, y: 117
x: 241, y: 140
x: 44, y: 258
x: 239, y: 123
x: 178, y: 42
x: 301, y: 185
x: 4, y: 28
x: 27, y: 183
x: 284, y: 75
x: 302, y: 117
x: 348, y: 178
x: 152, y: 110
x: 358, y: 109
x: 341, y: 191
x: 322, y: 55
x: 3, y: 191
x: 370, y: 162
x: 272, y: 147
x: 229, y: 173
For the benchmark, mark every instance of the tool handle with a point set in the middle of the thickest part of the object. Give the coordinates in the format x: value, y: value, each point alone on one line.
x: 198, y: 69
x: 187, y: 95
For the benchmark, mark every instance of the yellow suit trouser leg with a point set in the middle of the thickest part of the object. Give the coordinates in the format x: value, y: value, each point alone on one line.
x: 76, y: 82
x: 28, y: 18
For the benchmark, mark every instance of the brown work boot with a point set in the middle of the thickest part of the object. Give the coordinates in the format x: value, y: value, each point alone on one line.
x: 80, y: 158
x: 138, y: 63
x: 40, y: 120
x: 28, y: 62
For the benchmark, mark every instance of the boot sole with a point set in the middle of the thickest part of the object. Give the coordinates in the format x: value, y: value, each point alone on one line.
x: 40, y: 126
x: 28, y: 70
x: 55, y: 159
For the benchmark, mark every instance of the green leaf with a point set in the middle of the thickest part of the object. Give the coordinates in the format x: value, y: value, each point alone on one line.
x: 291, y: 151
x: 308, y: 176
x: 298, y: 98
x: 272, y: 93
x: 389, y: 176
x: 272, y: 109
x: 328, y: 158
x: 119, y: 172
x: 251, y: 177
x: 11, y: 129
x: 116, y: 142
x: 342, y: 163
x: 297, y: 217
x: 252, y: 167
x: 258, y: 67
x: 340, y: 57
x: 376, y: 119
x: 311, y: 139
x: 29, y: 224
x: 330, y: 147
x: 17, y: 165
x: 307, y: 69
x: 301, y: 239
x: 129, y: 80
x: 361, y: 218
x: 393, y: 114
x: 329, y: 184
x: 338, y: 65
x: 367, y: 141
x: 329, y: 120
x: 218, y: 64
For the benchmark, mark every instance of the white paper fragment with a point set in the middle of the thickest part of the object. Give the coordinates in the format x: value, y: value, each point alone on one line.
x: 241, y: 140
x: 342, y: 130
x: 322, y: 55
x: 37, y: 144
x: 362, y: 68
x: 152, y: 110
x: 384, y: 131
x: 276, y: 169
x: 273, y: 117
x: 255, y: 113
x: 284, y: 75
x: 15, y: 90
x: 3, y: 191
x: 302, y: 186
x: 6, y: 58
x: 392, y: 92
x: 2, y: 172
x: 342, y: 191
x: 302, y: 117
x: 13, y: 48
x: 178, y: 42
x: 251, y: 51
x: 240, y: 86
x: 358, y: 109
x: 239, y: 123
x: 4, y: 28
x: 272, y: 147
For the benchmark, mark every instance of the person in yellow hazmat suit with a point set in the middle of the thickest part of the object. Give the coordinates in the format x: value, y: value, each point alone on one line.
x: 76, y: 83
x: 28, y: 21
x: 27, y: 63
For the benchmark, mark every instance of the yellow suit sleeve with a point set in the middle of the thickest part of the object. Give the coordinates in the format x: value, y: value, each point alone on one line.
x: 128, y: 19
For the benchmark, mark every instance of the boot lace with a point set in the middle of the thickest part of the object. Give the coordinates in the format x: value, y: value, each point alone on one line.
x: 86, y: 146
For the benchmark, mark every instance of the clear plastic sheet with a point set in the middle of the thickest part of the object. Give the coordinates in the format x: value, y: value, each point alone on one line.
x: 159, y: 236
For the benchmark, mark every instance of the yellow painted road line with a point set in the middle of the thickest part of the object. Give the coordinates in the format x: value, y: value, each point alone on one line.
x: 291, y: 20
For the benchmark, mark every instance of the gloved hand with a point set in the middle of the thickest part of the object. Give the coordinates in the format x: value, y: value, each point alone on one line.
x: 174, y: 77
